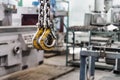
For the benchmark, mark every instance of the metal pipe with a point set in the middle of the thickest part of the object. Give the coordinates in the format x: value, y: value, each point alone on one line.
x: 91, y: 67
x: 83, y: 67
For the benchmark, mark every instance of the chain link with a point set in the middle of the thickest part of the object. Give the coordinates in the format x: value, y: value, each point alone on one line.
x: 45, y: 37
x: 44, y: 14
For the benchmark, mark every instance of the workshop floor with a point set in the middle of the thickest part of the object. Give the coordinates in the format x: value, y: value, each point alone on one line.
x: 60, y: 60
x: 74, y: 75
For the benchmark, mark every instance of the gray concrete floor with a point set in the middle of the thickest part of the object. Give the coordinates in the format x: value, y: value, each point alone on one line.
x: 74, y: 75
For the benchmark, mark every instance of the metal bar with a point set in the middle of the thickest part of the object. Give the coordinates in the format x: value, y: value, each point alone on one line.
x: 110, y: 49
x: 73, y: 57
x: 117, y: 66
x: 83, y: 67
x: 112, y: 55
x: 67, y: 25
x: 5, y: 29
x: 16, y: 30
x: 67, y: 50
x: 107, y: 32
x: 93, y: 54
x: 119, y: 35
x: 89, y: 53
x: 91, y: 67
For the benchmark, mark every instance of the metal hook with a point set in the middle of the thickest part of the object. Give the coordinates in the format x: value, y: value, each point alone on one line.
x: 35, y: 38
x: 47, y: 41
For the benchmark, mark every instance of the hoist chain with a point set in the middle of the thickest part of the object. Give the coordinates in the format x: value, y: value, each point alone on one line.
x: 45, y: 37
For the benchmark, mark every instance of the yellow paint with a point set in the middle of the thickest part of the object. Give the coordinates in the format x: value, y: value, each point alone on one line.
x: 39, y: 39
x: 35, y: 38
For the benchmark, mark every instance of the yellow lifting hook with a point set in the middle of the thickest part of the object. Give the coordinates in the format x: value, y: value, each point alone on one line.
x: 47, y: 40
x: 36, y: 37
x: 44, y: 38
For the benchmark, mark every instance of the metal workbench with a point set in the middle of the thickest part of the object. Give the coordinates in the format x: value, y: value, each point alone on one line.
x: 88, y: 74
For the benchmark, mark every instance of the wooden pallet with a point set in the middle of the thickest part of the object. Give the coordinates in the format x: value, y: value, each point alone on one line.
x: 43, y: 72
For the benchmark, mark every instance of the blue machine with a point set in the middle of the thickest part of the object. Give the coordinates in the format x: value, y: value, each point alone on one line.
x: 35, y: 3
x: 53, y: 4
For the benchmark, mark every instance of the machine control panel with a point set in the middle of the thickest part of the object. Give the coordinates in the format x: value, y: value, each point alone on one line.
x: 27, y: 38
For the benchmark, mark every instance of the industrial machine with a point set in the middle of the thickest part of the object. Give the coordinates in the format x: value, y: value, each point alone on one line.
x: 21, y: 46
x: 107, y: 46
x: 116, y: 15
x: 101, y: 16
x: 29, y: 16
x: 25, y: 16
x: 6, y: 11
x: 102, y: 39
x: 16, y: 50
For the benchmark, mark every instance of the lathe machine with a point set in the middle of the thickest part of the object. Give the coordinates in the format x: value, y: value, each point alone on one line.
x: 16, y: 50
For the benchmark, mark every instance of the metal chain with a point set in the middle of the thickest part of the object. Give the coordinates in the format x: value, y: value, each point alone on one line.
x: 41, y: 14
x: 44, y: 14
x: 45, y: 37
